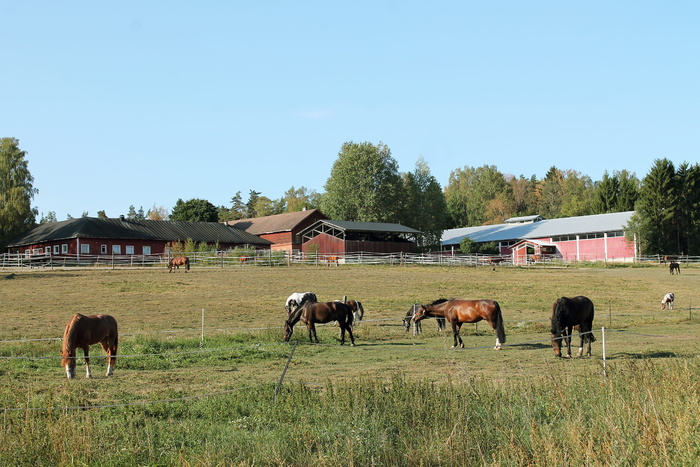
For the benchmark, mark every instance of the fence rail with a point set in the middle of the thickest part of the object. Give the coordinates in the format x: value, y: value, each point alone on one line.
x: 235, y: 258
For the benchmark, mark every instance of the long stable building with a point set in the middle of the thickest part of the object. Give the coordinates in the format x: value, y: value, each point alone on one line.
x: 584, y: 238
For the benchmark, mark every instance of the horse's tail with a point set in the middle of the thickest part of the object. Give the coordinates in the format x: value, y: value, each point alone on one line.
x: 360, y: 309
x: 187, y: 263
x: 500, y: 330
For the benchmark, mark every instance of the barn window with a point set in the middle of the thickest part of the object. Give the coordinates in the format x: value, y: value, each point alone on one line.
x: 85, y: 249
x: 47, y: 250
x: 116, y: 249
x: 55, y: 249
x: 103, y: 249
x: 129, y: 249
x: 64, y: 248
x: 147, y: 250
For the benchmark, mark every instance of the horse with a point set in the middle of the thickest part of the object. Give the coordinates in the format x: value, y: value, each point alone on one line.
x: 567, y: 313
x: 318, y: 312
x: 82, y: 332
x: 297, y: 299
x: 177, y: 262
x: 458, y: 311
x: 674, y: 267
x: 332, y: 260
x: 667, y: 301
x: 358, y: 310
x: 417, y: 325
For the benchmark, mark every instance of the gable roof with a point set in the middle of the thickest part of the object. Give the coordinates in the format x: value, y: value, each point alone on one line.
x: 545, y: 228
x: 276, y: 223
x: 125, y: 229
x: 350, y: 226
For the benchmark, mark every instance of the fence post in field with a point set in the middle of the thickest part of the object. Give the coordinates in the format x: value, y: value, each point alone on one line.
x: 284, y: 371
x: 604, y: 356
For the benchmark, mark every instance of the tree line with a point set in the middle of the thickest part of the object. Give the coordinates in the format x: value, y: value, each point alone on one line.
x: 365, y: 185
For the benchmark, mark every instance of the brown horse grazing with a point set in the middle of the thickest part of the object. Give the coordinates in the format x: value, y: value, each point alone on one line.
x: 82, y: 332
x: 567, y: 313
x: 417, y: 327
x: 457, y: 312
x: 319, y: 312
x: 179, y: 261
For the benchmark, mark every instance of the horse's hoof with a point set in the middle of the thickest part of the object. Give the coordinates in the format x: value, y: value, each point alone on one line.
x: 453, y: 347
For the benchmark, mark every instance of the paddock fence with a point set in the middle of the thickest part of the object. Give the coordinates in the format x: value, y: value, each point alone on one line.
x: 268, y: 258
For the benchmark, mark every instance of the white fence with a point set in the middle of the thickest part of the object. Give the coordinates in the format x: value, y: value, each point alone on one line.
x: 244, y: 258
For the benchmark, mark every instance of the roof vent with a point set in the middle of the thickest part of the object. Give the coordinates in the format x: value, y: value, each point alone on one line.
x: 121, y: 218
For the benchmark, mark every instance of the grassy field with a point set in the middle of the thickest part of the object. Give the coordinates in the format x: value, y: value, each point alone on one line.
x: 176, y: 380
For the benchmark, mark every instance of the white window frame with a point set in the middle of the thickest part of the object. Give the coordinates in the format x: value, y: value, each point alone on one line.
x: 129, y: 249
x: 116, y: 249
x: 84, y: 248
x: 64, y: 248
x: 56, y: 249
x: 146, y: 250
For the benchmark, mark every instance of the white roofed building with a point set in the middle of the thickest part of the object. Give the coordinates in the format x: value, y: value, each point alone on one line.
x: 584, y: 238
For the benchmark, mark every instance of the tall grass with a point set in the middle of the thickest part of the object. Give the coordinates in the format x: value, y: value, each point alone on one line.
x: 644, y: 412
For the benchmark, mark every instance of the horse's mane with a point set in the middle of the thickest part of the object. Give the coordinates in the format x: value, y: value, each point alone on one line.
x: 295, y: 316
x: 69, y: 334
x: 438, y: 301
x: 557, y: 312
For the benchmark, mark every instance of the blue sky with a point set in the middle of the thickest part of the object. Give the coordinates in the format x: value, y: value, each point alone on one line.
x: 142, y: 103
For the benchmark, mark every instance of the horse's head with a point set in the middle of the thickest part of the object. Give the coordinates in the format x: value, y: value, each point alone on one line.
x: 288, y: 331
x: 68, y: 362
x: 556, y: 328
x: 421, y: 313
x: 407, y: 323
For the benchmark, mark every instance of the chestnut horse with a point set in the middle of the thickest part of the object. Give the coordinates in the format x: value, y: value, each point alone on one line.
x: 179, y: 261
x: 567, y: 313
x: 319, y: 312
x: 457, y: 312
x: 82, y: 332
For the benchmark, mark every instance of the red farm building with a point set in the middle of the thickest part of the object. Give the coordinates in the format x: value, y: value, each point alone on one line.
x: 283, y: 230
x: 599, y: 237
x: 328, y: 237
x: 99, y: 236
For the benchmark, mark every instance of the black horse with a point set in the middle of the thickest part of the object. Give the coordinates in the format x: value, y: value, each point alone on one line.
x: 568, y: 313
x: 318, y: 312
x: 417, y: 326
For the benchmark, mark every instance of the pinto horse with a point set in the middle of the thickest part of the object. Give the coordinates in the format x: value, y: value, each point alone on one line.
x: 567, y: 313
x: 458, y: 312
x: 319, y: 312
x: 82, y: 332
x: 179, y: 261
x: 297, y: 299
x: 417, y: 326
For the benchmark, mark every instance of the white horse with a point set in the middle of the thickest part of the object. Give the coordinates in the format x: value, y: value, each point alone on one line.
x: 667, y: 301
x: 297, y: 299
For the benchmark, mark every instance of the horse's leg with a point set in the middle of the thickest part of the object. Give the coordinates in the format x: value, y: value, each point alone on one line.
x: 86, y: 352
x: 455, y: 333
x: 312, y: 332
x: 582, y: 336
x: 352, y: 338
x: 111, y: 351
x: 569, y: 330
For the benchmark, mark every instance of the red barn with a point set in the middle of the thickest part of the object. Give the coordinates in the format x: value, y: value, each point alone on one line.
x: 281, y: 229
x: 342, y: 237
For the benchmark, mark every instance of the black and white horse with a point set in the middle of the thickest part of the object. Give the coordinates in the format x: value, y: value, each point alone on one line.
x: 297, y: 299
x: 667, y: 301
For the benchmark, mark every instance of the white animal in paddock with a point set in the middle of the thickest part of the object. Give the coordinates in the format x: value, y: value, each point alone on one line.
x: 667, y: 302
x: 297, y: 299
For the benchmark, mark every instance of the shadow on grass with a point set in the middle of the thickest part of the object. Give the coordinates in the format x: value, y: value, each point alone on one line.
x: 645, y: 355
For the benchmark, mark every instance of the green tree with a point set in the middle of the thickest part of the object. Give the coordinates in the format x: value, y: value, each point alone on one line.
x: 653, y: 223
x: 49, y: 218
x: 101, y: 214
x: 616, y: 193
x: 298, y: 199
x: 424, y: 205
x: 251, y: 205
x: 469, y: 192
x: 194, y: 210
x: 16, y: 192
x: 687, y: 220
x: 364, y: 185
x: 157, y: 213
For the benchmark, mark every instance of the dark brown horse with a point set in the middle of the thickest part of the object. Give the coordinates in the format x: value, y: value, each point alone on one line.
x: 457, y: 312
x: 179, y: 261
x: 674, y: 268
x: 320, y: 312
x: 82, y: 332
x: 568, y: 313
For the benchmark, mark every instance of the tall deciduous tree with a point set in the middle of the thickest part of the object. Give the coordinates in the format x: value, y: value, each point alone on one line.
x: 194, y: 210
x: 364, y: 185
x: 298, y: 199
x: 469, y: 192
x: 424, y: 205
x: 16, y: 191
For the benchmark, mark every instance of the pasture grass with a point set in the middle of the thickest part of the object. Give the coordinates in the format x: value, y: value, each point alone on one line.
x: 178, y: 398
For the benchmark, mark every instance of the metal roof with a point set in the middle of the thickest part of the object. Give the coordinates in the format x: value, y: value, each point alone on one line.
x: 276, y: 223
x: 546, y: 228
x: 125, y: 229
x: 370, y: 227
